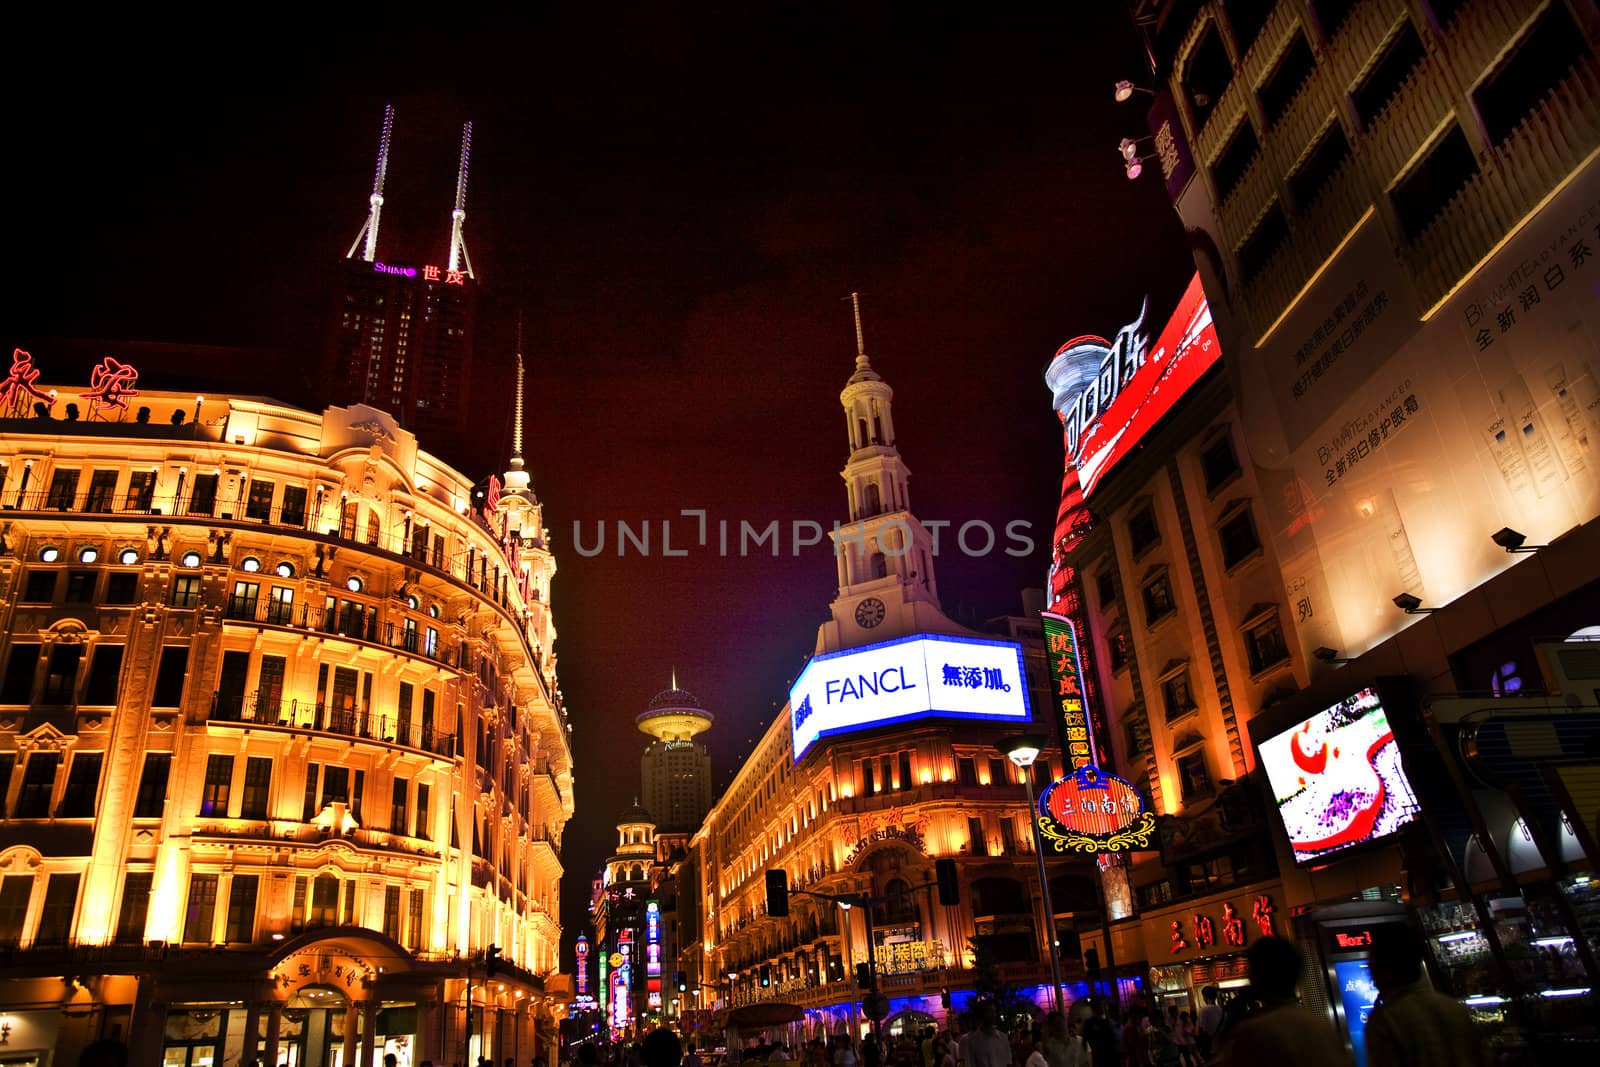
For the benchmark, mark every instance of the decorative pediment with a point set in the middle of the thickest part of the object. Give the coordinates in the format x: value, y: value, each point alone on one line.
x: 45, y: 738
x: 1173, y: 666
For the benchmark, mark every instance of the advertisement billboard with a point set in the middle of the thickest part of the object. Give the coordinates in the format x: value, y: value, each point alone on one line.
x: 920, y: 676
x: 1109, y: 394
x: 1392, y: 439
x: 1337, y: 778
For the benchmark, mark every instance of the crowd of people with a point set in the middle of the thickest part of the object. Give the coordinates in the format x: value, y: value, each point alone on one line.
x: 1262, y: 1025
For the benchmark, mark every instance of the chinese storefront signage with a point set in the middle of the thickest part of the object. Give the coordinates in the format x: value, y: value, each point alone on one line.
x: 581, y: 949
x: 430, y: 273
x: 1092, y: 811
x: 111, y: 383
x: 1066, y: 687
x: 1204, y: 933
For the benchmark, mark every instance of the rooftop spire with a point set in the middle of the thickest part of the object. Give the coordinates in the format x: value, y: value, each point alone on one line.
x: 864, y: 371
x: 369, y: 229
x: 516, y: 418
x: 517, y: 499
x: 674, y: 677
x: 458, y: 246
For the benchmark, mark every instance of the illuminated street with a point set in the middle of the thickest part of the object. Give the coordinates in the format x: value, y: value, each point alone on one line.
x: 465, y: 599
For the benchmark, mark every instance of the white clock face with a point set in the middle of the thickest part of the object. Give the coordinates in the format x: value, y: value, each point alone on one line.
x: 869, y: 613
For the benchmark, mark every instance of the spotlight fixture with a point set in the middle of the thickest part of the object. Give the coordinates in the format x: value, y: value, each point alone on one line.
x: 1123, y: 91
x: 1513, y: 540
x: 1328, y: 655
x: 1135, y: 167
x: 1411, y: 605
x: 1128, y: 147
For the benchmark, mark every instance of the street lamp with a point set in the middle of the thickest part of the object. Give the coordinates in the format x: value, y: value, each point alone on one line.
x: 850, y: 970
x: 1023, y: 750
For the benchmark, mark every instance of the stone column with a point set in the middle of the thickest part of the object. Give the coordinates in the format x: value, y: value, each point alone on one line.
x: 352, y: 1033
x: 274, y: 1029
x: 249, y: 1055
x: 428, y: 1036
x: 369, y: 1033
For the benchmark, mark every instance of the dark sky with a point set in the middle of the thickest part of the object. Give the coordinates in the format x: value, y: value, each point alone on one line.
x: 679, y: 206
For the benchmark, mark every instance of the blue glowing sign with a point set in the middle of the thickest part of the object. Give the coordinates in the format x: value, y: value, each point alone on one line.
x: 921, y: 676
x: 1358, y: 994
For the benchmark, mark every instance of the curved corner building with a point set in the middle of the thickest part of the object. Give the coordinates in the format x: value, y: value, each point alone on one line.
x: 281, y: 743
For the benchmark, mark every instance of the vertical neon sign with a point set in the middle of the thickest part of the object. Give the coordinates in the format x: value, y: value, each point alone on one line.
x: 581, y: 949
x: 1066, y: 680
x: 652, y: 937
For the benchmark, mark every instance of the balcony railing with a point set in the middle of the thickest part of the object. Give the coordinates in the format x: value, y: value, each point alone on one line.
x: 365, y: 625
x: 332, y: 720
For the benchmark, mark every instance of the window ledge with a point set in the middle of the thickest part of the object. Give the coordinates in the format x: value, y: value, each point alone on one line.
x: 1276, y: 667
x: 1240, y: 566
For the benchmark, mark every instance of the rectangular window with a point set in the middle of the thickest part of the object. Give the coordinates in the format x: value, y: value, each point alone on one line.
x: 242, y: 604
x: 414, y: 921
x: 219, y: 784
x: 185, y: 590
x: 105, y: 669
x: 391, y: 911
x: 38, y: 785
x: 1176, y: 695
x: 1266, y: 645
x: 427, y: 719
x: 61, y: 679
x: 1288, y: 74
x: 1384, y: 78
x: 1539, y: 62
x: 231, y: 681
x: 60, y: 901
x: 83, y: 786
x: 122, y: 587
x: 1121, y: 643
x: 242, y: 909
x: 1238, y: 538
x: 905, y: 771
x: 297, y: 917
x: 1008, y: 836
x: 1262, y: 243
x: 423, y: 829
x: 294, y: 505
x: 1158, y: 602
x: 431, y: 648
x: 1218, y: 462
x: 203, y: 499
x: 336, y: 785
x: 141, y: 491
x: 309, y: 811
x: 966, y: 770
x: 1430, y: 185
x: 15, y: 890
x: 403, y: 716
x: 1143, y: 534
x: 170, y: 675
x: 979, y: 840
x: 997, y: 771
x: 102, y: 491
x: 269, y: 689
x: 134, y: 910
x: 63, y: 490
x: 80, y: 587
x: 258, y: 505
x: 22, y: 665
x: 1105, y: 588
x: 40, y: 587
x: 257, y: 788
x: 8, y: 763
x: 1236, y: 159
x: 397, y: 805
x: 349, y: 902
x: 356, y: 791
x: 280, y: 606
x: 152, y: 797
x: 1307, y: 181
x: 869, y: 772
x: 1194, y: 781
x: 199, y: 918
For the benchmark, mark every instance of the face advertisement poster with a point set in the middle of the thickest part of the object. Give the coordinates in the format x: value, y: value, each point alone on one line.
x: 1392, y: 448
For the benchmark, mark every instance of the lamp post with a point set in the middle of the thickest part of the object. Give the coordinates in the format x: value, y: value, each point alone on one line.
x: 850, y: 971
x: 1022, y: 750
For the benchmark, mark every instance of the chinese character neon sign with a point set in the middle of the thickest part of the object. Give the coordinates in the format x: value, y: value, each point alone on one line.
x: 110, y: 384
x: 1066, y: 680
x: 429, y: 272
x: 18, y: 386
x: 1093, y: 811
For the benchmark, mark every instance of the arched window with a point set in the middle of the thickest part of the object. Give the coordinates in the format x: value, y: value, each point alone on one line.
x: 899, y: 909
x: 880, y: 565
x: 871, y: 500
x: 861, y: 433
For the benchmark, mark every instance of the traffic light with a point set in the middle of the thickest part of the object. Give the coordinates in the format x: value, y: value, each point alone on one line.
x: 863, y: 976
x: 491, y: 960
x: 944, y: 872
x: 681, y: 980
x: 766, y: 975
x: 778, y: 894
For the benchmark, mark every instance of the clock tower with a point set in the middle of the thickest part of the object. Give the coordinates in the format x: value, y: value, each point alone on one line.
x: 883, y: 552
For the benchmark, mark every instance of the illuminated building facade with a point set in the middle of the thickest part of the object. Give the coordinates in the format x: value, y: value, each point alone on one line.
x: 281, y: 743
x: 1380, y: 508
x: 622, y: 911
x: 894, y: 771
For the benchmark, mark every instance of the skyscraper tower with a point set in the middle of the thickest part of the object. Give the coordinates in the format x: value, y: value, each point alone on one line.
x: 675, y: 772
x: 402, y: 332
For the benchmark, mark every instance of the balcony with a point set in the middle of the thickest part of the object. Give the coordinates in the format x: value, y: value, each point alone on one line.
x: 379, y: 727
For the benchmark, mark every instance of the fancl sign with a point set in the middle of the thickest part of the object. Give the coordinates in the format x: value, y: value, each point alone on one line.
x: 925, y: 675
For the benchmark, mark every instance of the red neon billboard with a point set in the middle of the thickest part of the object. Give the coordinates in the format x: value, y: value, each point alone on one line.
x: 1109, y: 394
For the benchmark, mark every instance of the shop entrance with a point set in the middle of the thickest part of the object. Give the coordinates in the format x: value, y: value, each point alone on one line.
x: 313, y: 1034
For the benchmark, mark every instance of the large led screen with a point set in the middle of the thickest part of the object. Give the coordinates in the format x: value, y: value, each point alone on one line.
x: 1110, y: 394
x: 921, y: 676
x: 1337, y: 778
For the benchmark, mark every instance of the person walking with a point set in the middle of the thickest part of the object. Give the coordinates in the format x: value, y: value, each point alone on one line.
x: 1414, y: 1025
x: 1282, y: 1031
x: 986, y: 1046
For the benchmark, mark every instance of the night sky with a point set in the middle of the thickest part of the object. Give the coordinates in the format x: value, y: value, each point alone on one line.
x: 679, y: 209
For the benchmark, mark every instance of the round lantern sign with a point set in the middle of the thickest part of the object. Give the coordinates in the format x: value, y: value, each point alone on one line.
x: 1091, y: 811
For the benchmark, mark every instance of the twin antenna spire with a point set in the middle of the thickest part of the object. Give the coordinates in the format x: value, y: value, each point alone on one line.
x: 366, y: 241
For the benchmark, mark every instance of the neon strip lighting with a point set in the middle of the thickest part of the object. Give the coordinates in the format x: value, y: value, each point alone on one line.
x: 1462, y: 936
x: 1543, y: 942
x: 1576, y: 991
x: 1483, y: 1001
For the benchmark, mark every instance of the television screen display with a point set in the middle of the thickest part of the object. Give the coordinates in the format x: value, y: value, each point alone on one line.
x: 1337, y: 778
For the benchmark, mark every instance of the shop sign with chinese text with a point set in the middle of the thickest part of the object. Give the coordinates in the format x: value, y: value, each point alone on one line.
x: 1091, y: 811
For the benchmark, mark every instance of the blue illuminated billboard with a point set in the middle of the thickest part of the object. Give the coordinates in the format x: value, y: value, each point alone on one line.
x: 916, y: 677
